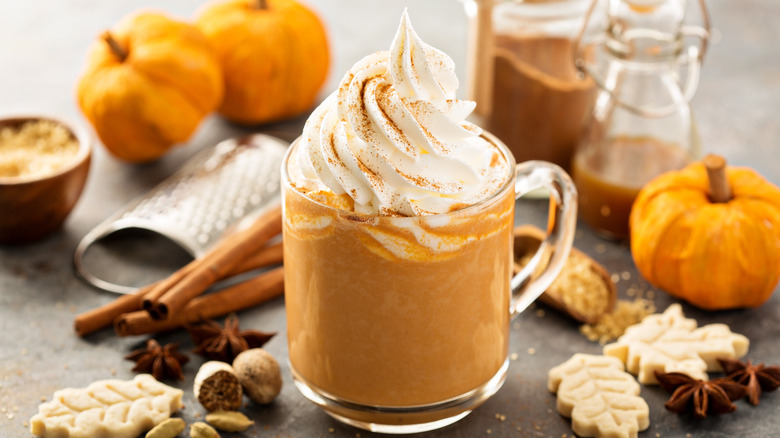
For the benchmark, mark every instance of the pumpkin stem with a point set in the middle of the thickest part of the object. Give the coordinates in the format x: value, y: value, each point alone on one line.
x: 261, y: 4
x: 716, y: 172
x: 114, y: 45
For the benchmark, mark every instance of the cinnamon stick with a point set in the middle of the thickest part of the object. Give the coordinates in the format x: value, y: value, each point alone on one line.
x: 162, y: 286
x: 217, y: 264
x: 247, y: 294
x: 716, y: 173
x: 103, y: 316
x: 269, y: 255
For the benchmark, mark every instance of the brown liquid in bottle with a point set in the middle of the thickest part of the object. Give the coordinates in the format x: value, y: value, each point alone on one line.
x: 608, y: 178
x: 539, y: 102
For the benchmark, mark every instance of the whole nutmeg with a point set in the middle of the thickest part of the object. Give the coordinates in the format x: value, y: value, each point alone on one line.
x: 217, y: 387
x: 259, y: 374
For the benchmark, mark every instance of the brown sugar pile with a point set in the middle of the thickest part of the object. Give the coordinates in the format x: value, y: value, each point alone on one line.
x: 579, y: 287
x: 35, y: 148
x: 612, y: 325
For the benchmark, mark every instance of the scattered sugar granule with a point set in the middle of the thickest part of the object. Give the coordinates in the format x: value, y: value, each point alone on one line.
x: 613, y: 325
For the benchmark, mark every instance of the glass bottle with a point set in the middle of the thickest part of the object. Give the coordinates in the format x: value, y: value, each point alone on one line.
x: 641, y: 124
x: 522, y: 75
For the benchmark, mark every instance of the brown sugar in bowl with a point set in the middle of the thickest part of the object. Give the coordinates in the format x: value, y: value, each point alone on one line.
x: 582, y: 290
x: 34, y: 206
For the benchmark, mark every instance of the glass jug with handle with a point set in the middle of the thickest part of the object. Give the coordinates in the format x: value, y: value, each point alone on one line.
x: 641, y: 124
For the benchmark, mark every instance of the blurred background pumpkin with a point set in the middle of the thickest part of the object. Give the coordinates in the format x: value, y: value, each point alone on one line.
x: 147, y: 85
x: 709, y: 234
x: 274, y: 56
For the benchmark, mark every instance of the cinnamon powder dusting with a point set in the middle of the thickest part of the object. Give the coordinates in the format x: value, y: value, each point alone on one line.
x: 398, y: 137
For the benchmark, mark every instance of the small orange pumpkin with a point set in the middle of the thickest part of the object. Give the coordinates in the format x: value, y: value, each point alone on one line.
x: 274, y: 55
x: 709, y: 235
x: 147, y: 85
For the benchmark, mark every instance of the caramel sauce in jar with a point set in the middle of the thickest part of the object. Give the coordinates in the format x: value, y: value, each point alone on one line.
x: 609, y: 178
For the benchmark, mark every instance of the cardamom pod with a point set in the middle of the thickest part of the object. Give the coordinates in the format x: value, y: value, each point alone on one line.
x: 202, y: 430
x: 167, y: 429
x: 229, y: 421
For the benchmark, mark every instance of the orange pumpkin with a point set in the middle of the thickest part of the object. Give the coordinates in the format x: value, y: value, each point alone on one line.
x: 147, y: 85
x: 274, y: 55
x: 709, y: 235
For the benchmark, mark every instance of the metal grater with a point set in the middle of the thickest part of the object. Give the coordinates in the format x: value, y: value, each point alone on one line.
x: 206, y: 200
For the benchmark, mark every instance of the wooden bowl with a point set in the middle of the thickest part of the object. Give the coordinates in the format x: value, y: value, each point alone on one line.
x: 32, y: 207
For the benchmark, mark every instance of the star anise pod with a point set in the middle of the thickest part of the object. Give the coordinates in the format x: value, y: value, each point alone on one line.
x: 700, y: 396
x: 224, y: 344
x: 161, y: 362
x: 755, y: 378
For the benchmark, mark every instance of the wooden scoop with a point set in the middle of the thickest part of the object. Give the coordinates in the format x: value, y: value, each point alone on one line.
x: 527, y: 240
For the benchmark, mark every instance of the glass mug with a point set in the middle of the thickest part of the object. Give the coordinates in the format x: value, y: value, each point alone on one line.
x: 401, y: 324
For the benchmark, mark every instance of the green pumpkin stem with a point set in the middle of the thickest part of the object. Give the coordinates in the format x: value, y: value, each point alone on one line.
x: 720, y: 192
x: 114, y: 45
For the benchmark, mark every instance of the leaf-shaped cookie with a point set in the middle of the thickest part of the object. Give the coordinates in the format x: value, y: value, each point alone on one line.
x: 600, y: 397
x: 669, y: 342
x: 115, y: 408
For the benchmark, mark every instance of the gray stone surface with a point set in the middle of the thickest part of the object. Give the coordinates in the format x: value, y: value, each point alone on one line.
x: 42, y: 47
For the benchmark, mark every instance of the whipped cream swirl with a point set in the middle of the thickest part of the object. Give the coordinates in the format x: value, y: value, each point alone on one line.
x: 393, y: 137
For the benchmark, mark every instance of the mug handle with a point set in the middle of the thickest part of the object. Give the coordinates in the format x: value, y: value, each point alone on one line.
x: 547, y: 262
